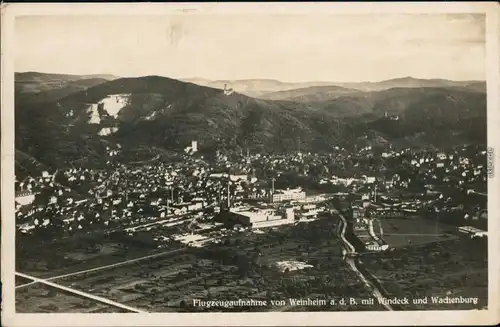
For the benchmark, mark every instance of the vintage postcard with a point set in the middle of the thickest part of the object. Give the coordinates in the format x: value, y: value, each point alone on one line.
x: 250, y: 164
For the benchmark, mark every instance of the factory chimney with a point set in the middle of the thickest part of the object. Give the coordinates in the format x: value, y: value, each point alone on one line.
x: 272, y: 190
x: 228, y: 198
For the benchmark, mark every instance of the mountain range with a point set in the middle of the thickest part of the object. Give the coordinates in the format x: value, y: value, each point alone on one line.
x: 253, y: 87
x: 41, y: 87
x: 55, y: 127
x: 265, y: 88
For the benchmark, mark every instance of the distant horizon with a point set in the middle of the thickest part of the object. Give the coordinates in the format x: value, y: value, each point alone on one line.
x: 251, y: 79
x: 286, y: 47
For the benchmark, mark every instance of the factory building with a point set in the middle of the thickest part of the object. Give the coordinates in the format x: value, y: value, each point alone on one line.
x: 288, y: 195
x: 256, y: 217
x: 269, y: 217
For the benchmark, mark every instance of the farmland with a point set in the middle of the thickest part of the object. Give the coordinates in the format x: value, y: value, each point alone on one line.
x: 51, y: 300
x: 242, y: 266
x: 401, y: 232
x: 454, y: 267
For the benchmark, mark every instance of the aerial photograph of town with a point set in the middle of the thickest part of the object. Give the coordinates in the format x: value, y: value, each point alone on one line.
x: 250, y: 163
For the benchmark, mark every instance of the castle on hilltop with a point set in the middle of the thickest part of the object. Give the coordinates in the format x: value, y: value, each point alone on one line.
x: 228, y: 91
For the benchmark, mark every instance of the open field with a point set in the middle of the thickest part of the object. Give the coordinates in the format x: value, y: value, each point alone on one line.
x: 39, y: 298
x: 401, y: 232
x: 242, y: 267
x: 72, y: 255
x: 456, y: 267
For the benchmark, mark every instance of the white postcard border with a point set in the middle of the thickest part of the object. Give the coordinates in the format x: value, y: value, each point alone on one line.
x: 474, y: 317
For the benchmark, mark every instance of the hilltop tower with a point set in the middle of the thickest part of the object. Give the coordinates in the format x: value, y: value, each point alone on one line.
x: 227, y: 91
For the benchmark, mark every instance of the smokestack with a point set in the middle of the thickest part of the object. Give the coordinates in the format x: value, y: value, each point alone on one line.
x: 228, y: 198
x: 272, y: 190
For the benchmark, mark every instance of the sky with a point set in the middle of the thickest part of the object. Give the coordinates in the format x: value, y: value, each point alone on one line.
x: 289, y: 48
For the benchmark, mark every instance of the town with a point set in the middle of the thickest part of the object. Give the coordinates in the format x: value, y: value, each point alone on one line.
x: 259, y: 216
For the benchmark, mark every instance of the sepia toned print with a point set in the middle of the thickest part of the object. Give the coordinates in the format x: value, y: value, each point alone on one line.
x: 250, y: 162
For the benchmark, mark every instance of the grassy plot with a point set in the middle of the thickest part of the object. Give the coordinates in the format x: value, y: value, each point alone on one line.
x: 401, y: 232
x: 73, y: 255
x: 38, y: 298
x: 443, y: 269
x: 242, y: 267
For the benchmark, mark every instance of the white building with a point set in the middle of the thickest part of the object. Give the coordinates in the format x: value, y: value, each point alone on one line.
x: 292, y: 265
x: 370, y: 179
x: 194, y: 146
x: 25, y: 198
x: 235, y: 178
x: 475, y: 232
x: 287, y: 195
x: 376, y: 247
x: 266, y: 217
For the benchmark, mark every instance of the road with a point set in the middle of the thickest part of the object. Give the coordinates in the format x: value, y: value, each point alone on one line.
x: 168, y: 219
x: 80, y: 293
x: 479, y: 193
x: 351, y: 260
x: 412, y: 234
x: 122, y: 263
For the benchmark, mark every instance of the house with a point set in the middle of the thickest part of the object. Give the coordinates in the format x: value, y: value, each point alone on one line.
x: 376, y: 247
x: 441, y: 156
x: 474, y: 232
x: 25, y: 198
x: 370, y: 179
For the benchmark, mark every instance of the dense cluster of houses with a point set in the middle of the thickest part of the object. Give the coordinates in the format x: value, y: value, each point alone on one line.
x: 121, y: 196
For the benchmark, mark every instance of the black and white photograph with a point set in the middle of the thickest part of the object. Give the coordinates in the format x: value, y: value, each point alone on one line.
x: 223, y: 161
